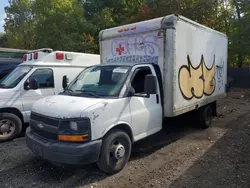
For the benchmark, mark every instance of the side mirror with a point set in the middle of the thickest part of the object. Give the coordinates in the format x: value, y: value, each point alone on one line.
x: 150, y: 84
x: 64, y: 82
x: 26, y: 85
x: 31, y: 84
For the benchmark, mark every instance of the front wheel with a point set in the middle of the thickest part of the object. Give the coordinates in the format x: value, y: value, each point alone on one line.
x: 10, y: 126
x: 115, y: 152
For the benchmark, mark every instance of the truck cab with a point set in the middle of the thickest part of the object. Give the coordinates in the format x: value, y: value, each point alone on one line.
x: 106, y: 107
x: 40, y: 75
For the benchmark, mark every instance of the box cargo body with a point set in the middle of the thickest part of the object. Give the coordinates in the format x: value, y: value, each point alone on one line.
x: 192, y: 58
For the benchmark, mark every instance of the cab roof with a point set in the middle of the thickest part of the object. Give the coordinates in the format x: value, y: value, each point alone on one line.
x: 128, y: 64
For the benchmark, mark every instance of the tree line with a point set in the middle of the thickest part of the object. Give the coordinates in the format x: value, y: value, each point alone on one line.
x: 74, y: 25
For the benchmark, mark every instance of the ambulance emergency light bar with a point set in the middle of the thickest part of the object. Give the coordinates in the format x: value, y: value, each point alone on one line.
x: 35, y: 53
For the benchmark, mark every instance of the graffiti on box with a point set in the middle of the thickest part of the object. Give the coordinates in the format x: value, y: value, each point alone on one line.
x: 134, y: 44
x: 134, y: 58
x: 220, y: 75
x: 136, y: 48
x: 197, y: 81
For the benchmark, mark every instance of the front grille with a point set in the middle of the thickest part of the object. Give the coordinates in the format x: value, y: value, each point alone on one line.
x: 44, y: 134
x: 44, y: 119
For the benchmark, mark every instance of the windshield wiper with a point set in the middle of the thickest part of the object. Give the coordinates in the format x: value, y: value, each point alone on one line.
x: 89, y: 93
x: 68, y: 90
x: 2, y: 85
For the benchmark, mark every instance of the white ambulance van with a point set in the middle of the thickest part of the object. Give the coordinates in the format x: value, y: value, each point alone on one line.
x: 40, y: 75
x: 150, y: 70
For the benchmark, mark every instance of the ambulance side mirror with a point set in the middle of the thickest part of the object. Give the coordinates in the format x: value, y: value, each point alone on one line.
x: 31, y: 84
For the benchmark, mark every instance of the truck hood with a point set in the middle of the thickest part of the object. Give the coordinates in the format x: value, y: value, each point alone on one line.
x: 60, y: 106
x: 6, y: 94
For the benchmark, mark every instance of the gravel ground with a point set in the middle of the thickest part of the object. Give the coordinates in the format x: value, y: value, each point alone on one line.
x: 179, y: 156
x: 225, y: 165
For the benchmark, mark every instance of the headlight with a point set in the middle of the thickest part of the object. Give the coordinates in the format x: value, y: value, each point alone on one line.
x: 73, y: 125
x: 79, y: 127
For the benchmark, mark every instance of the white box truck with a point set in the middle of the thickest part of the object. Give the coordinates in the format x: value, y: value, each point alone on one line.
x: 150, y: 70
x: 40, y: 75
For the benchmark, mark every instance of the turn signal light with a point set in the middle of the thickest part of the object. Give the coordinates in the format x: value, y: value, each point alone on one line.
x: 73, y: 138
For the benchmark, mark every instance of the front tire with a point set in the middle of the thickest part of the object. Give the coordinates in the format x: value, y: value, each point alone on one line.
x: 115, y: 152
x: 10, y: 126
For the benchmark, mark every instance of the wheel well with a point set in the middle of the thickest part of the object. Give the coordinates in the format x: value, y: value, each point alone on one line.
x: 125, y: 128
x: 213, y: 106
x: 13, y: 111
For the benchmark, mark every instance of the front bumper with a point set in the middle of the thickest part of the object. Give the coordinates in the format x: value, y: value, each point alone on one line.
x: 63, y: 152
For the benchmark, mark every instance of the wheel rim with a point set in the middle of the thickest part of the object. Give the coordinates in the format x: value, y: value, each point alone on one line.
x: 7, y: 127
x: 117, y: 152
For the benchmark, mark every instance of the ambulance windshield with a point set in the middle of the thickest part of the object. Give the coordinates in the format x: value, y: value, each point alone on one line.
x: 12, y: 79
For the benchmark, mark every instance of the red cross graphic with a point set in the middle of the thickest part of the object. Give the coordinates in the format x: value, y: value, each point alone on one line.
x: 120, y: 50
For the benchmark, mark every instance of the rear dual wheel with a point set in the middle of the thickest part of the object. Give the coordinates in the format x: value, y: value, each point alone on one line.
x: 206, y: 115
x: 115, y: 152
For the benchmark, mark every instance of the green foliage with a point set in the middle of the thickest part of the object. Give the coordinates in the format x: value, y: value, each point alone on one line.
x: 74, y: 25
x: 239, y: 37
x: 60, y: 24
x: 19, y: 24
x: 3, y: 40
x: 109, y: 13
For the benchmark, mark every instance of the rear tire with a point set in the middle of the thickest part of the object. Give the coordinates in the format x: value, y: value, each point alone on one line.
x: 115, y: 152
x: 206, y: 115
x: 10, y: 126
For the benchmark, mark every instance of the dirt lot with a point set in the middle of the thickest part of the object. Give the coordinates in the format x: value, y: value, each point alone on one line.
x: 179, y: 156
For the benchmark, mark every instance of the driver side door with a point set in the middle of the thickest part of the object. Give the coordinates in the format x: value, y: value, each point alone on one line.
x: 46, y: 87
x: 146, y: 111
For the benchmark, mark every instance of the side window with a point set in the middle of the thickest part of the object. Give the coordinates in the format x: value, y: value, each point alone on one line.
x: 139, y: 78
x: 44, y: 77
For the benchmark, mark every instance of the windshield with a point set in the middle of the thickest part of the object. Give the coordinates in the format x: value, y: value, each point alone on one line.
x: 13, y: 78
x: 99, y: 81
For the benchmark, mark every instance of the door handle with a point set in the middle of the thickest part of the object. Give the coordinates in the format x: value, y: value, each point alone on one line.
x: 157, y: 98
